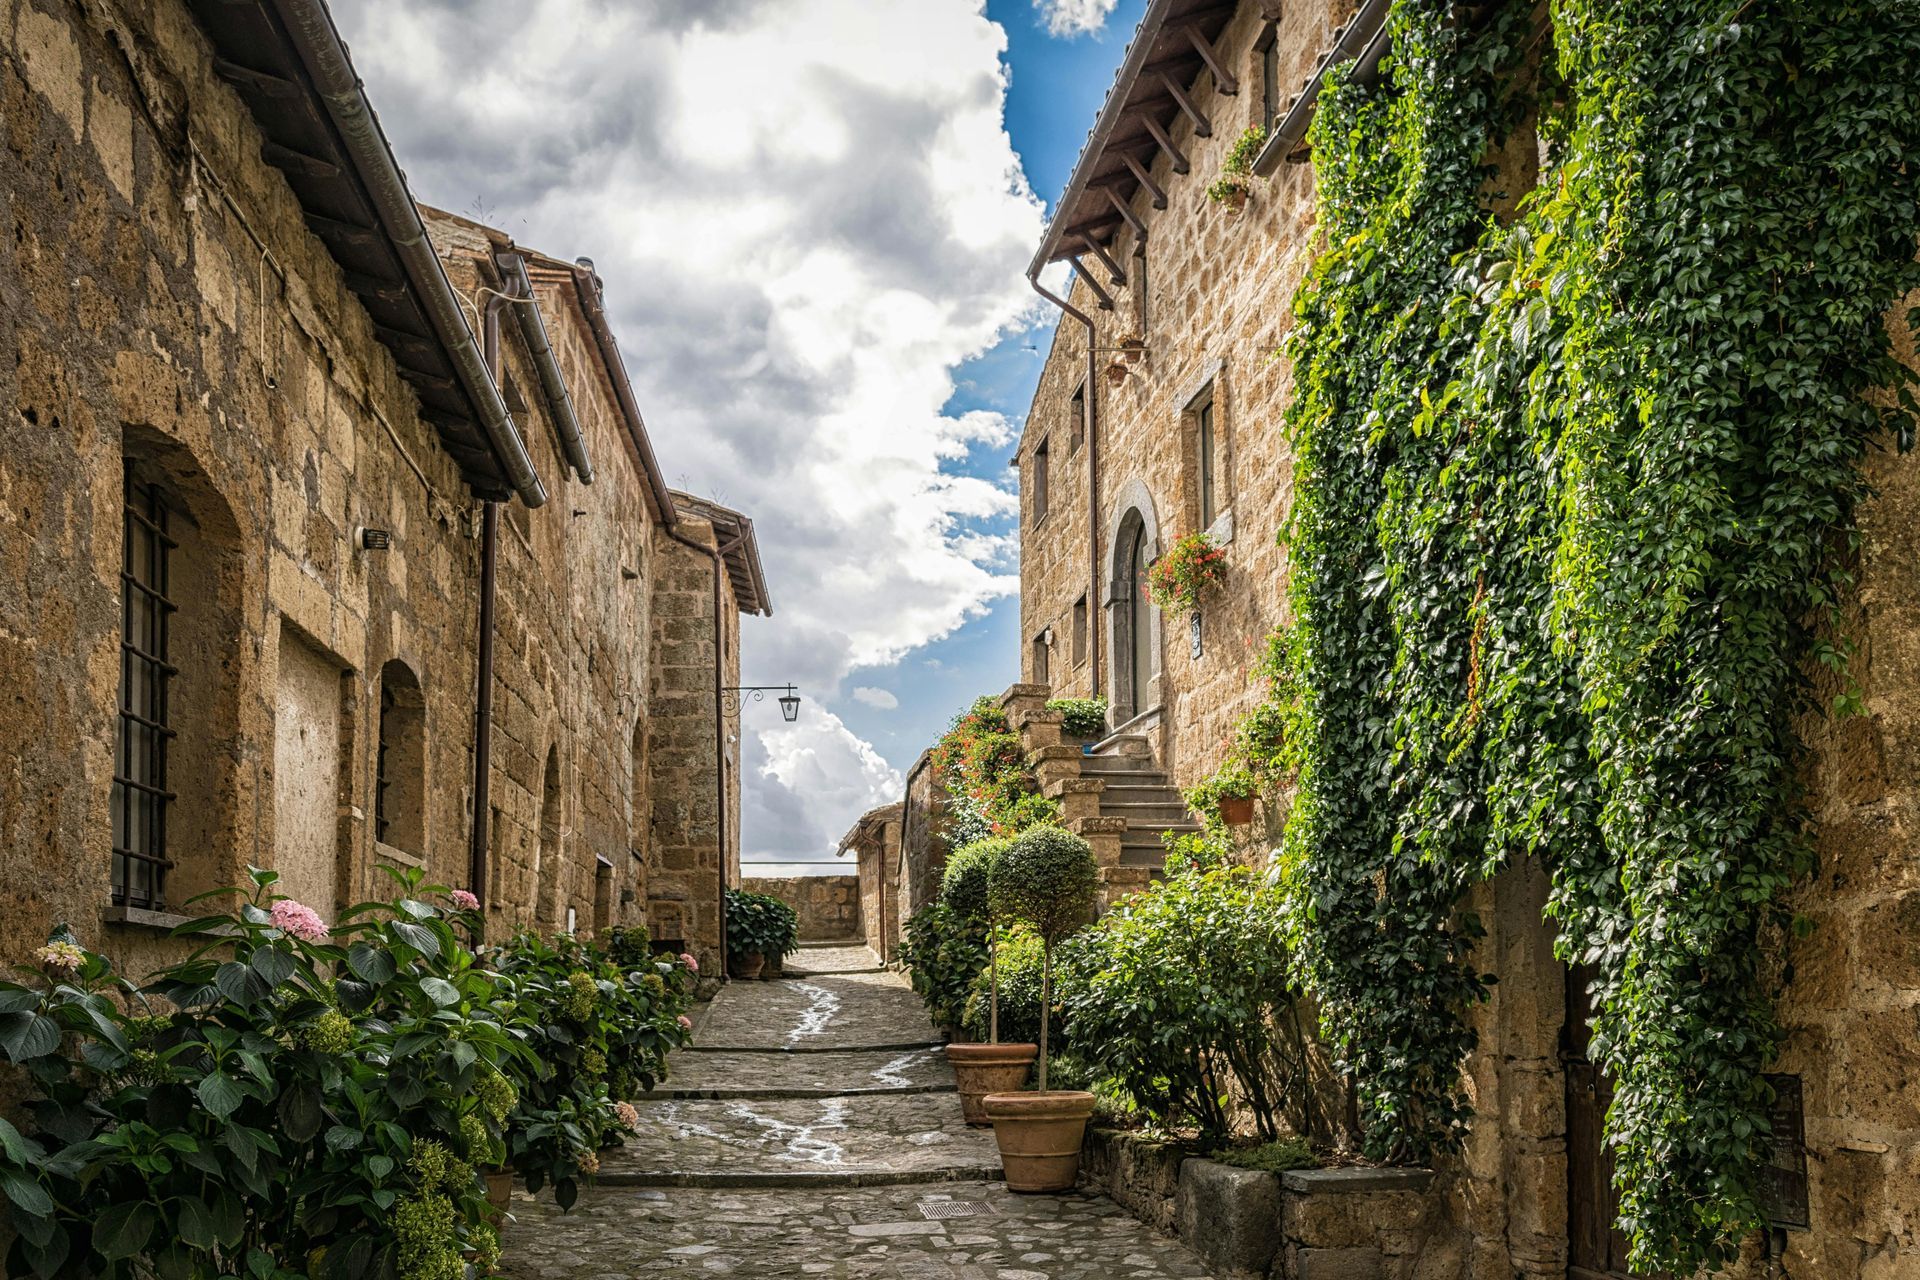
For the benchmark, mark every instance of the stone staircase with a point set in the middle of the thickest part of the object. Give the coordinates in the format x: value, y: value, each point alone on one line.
x: 1117, y: 798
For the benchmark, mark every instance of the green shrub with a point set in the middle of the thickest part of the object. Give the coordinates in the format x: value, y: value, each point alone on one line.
x: 313, y: 1101
x: 1046, y: 879
x: 1183, y: 995
x: 1081, y: 717
x: 1270, y: 1157
x: 1017, y: 955
x: 943, y: 954
x: 980, y: 763
x: 763, y: 923
x: 963, y: 883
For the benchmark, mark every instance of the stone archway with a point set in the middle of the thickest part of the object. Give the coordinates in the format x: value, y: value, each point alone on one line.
x: 1133, y: 623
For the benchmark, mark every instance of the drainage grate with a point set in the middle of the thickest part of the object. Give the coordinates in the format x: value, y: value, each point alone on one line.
x: 954, y: 1208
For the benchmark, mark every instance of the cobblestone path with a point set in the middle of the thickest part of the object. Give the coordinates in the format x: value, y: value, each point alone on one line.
x: 813, y: 1131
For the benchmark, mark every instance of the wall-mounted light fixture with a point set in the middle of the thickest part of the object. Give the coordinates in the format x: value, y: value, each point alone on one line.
x: 733, y: 696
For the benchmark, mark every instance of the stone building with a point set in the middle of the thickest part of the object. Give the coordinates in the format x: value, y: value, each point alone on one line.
x: 271, y: 434
x: 1124, y: 451
x: 707, y: 574
x: 875, y: 842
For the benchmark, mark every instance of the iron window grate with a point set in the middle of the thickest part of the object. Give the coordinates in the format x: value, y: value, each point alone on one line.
x: 141, y: 797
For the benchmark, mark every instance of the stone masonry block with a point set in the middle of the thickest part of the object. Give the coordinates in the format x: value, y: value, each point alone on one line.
x: 1230, y: 1217
x: 1338, y: 1264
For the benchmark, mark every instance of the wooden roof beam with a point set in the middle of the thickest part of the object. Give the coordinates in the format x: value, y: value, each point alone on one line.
x: 1202, y: 127
x: 1126, y: 211
x: 1114, y: 271
x: 1175, y: 155
x: 1091, y: 227
x: 1223, y: 79
x: 1106, y: 299
x: 1145, y: 179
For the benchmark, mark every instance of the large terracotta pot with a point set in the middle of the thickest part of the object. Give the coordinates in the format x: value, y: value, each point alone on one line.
x: 981, y: 1069
x: 746, y: 967
x: 1039, y: 1136
x: 499, y: 1193
x: 1236, y: 811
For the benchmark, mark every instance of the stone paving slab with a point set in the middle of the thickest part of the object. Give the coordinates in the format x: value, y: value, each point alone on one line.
x: 775, y: 1141
x: 855, y: 957
x: 877, y: 1233
x: 831, y: 1011
x: 719, y: 1074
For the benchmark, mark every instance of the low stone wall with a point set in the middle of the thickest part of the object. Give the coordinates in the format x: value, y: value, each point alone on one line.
x: 828, y: 906
x: 1310, y: 1224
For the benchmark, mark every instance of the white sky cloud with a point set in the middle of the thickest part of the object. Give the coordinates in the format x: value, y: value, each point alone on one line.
x: 879, y: 699
x: 1075, y: 17
x: 807, y: 213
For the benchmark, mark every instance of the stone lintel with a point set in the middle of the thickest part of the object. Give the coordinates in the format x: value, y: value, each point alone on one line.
x: 1358, y: 1179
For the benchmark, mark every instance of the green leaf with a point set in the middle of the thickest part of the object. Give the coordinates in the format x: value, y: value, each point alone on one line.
x: 440, y: 991
x: 122, y: 1230
x: 194, y: 1221
x: 27, y: 1195
x: 369, y: 964
x: 26, y: 1036
x: 342, y: 1138
x: 219, y: 1094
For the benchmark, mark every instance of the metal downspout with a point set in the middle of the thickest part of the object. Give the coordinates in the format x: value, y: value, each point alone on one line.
x: 318, y: 43
x: 483, y: 676
x: 1093, y: 479
x: 717, y: 556
x: 533, y: 329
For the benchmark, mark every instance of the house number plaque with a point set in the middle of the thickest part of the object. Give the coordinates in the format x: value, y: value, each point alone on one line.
x: 1783, y: 1179
x: 1193, y: 634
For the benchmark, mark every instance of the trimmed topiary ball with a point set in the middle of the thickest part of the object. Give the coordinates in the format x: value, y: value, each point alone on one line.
x: 1046, y: 877
x: 963, y: 886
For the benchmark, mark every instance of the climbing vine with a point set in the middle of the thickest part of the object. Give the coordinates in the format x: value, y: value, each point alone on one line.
x: 1574, y: 517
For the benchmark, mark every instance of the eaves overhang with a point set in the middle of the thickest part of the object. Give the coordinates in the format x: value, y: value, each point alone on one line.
x: 734, y: 537
x: 287, y: 62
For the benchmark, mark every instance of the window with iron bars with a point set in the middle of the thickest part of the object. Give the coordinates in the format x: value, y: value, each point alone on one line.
x: 141, y: 798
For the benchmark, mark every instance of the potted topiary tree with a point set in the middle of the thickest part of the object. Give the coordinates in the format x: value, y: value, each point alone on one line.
x: 759, y: 928
x: 981, y: 1069
x: 1045, y: 878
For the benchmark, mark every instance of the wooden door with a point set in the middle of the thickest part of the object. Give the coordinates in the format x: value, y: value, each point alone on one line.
x: 1595, y: 1248
x: 1139, y: 622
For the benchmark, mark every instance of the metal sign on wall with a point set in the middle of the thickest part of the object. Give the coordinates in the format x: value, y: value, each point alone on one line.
x: 1783, y: 1179
x: 1193, y: 633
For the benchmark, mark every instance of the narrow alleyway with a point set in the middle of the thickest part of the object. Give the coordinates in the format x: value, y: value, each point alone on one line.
x: 813, y: 1131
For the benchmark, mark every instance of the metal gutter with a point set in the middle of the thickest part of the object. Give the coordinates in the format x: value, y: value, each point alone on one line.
x: 533, y: 328
x: 1146, y: 35
x: 318, y: 44
x: 1363, y: 41
x: 593, y: 307
x: 1093, y: 477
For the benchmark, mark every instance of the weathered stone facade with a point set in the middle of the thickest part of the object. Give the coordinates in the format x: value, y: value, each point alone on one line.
x: 1210, y: 295
x: 874, y: 841
x: 827, y: 907
x: 176, y: 331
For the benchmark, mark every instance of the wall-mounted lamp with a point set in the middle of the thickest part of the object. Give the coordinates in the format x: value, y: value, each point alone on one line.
x: 732, y: 697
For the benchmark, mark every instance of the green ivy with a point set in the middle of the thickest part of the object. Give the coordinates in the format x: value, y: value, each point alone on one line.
x: 1574, y: 518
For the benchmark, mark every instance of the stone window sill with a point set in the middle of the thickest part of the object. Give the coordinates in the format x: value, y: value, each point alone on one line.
x: 142, y: 918
x: 1221, y: 530
x: 393, y: 853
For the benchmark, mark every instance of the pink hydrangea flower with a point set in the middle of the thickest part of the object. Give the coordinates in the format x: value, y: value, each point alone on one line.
x: 61, y: 957
x: 686, y: 958
x: 629, y: 1118
x: 464, y: 901
x: 298, y: 920
x: 686, y: 1023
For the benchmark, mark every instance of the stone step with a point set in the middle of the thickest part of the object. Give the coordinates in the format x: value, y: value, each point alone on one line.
x: 714, y: 1073
x: 1130, y: 778
x: 1145, y: 811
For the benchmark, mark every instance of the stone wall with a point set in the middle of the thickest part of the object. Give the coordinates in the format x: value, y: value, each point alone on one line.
x: 875, y: 842
x: 923, y: 850
x: 175, y: 317
x: 1214, y: 313
x: 828, y: 906
x: 693, y: 850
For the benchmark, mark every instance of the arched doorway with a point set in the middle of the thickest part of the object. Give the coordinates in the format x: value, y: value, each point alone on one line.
x: 1139, y: 623
x: 1133, y: 543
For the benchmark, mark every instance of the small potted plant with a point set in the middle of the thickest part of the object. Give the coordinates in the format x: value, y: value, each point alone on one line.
x: 759, y: 927
x: 1192, y: 566
x: 1082, y: 718
x: 1045, y: 878
x: 1236, y: 179
x: 981, y: 1069
x: 1229, y: 793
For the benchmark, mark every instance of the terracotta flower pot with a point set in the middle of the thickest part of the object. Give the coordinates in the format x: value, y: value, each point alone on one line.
x: 746, y: 966
x: 981, y: 1069
x: 1039, y: 1136
x: 1116, y: 373
x: 1236, y: 201
x: 1236, y: 811
x: 499, y: 1192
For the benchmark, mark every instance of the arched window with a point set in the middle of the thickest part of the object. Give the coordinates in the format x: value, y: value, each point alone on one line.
x: 400, y: 767
x: 548, y: 870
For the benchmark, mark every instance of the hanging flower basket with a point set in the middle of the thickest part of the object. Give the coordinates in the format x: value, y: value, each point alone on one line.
x: 1236, y: 811
x: 1191, y: 566
x: 1132, y: 348
x: 1116, y: 373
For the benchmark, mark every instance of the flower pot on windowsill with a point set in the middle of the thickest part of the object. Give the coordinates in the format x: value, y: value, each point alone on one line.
x: 746, y: 965
x: 1039, y: 1136
x: 981, y: 1069
x: 1236, y: 811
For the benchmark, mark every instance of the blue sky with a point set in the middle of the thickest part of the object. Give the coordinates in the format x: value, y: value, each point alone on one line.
x: 1056, y: 86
